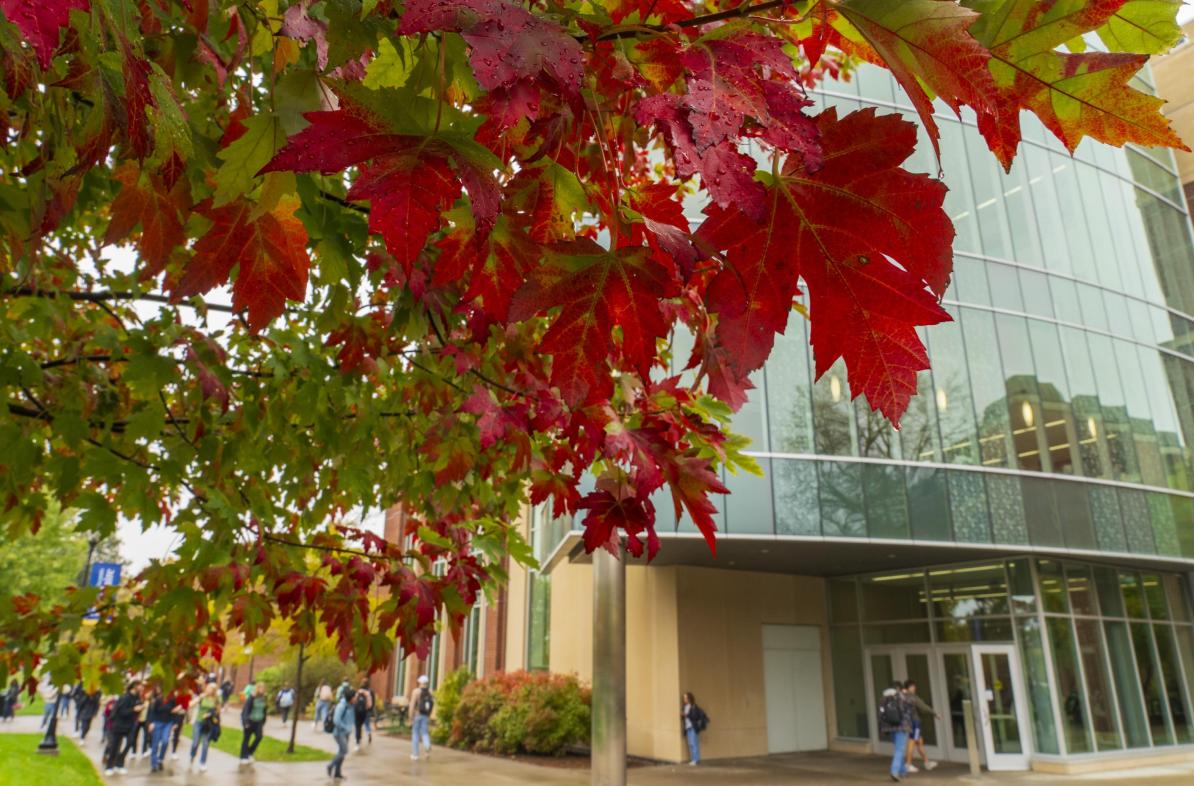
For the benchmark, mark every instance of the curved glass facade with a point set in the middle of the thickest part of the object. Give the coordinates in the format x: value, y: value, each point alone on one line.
x: 1057, y: 413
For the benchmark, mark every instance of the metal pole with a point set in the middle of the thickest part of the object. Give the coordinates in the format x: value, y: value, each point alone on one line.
x: 971, y: 736
x: 609, y: 669
x: 49, y: 743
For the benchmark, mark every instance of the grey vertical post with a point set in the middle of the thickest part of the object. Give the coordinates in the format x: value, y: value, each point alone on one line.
x: 609, y: 669
x: 971, y: 735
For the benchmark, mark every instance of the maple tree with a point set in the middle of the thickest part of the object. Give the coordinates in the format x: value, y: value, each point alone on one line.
x: 266, y: 263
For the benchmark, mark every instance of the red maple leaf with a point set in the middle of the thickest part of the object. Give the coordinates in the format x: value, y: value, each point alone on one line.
x: 271, y: 251
x: 156, y: 207
x: 509, y: 44
x: 493, y: 263
x: 41, y: 22
x: 409, y: 180
x: 840, y: 227
x: 615, y: 506
x: 596, y: 290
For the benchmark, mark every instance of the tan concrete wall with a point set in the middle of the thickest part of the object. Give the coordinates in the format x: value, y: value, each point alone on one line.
x: 721, y: 615
x: 1174, y: 77
x: 516, y: 612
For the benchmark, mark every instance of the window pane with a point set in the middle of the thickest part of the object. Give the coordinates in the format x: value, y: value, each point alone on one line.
x: 951, y: 395
x: 1022, y: 396
x: 1138, y: 525
x: 886, y: 507
x: 970, y: 591
x: 849, y: 693
x: 1023, y: 595
x: 1075, y: 727
x: 1107, y: 584
x: 928, y: 504
x: 1053, y: 590
x: 968, y: 507
x: 833, y: 416
x: 797, y: 510
x: 987, y: 387
x: 748, y: 505
x: 1134, y: 602
x: 1108, y: 524
x: 1007, y: 509
x: 1150, y: 684
x: 788, y: 384
x: 1154, y: 594
x: 906, y: 633
x: 1175, y: 691
x: 1044, y: 528
x: 1127, y: 687
x: 1179, y: 603
x: 898, y: 596
x: 539, y: 624
x: 1073, y: 509
x: 978, y: 629
x: 840, y: 487
x: 1098, y: 685
x: 1081, y: 586
x: 1037, y: 676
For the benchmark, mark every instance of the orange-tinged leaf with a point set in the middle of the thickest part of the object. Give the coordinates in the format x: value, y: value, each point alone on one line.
x: 1074, y: 94
x: 271, y: 252
x: 145, y: 200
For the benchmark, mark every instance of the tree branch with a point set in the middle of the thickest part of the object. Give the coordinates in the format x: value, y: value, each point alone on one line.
x: 102, y: 296
x: 696, y: 21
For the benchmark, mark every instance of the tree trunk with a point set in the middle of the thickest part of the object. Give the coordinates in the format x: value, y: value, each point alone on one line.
x: 298, y: 699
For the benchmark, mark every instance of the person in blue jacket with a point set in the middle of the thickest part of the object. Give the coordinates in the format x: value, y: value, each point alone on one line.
x: 343, y: 721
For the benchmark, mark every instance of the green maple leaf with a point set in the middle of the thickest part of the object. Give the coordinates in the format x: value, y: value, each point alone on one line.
x: 246, y: 156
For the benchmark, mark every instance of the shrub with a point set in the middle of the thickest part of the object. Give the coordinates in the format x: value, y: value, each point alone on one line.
x: 522, y: 712
x: 447, y: 699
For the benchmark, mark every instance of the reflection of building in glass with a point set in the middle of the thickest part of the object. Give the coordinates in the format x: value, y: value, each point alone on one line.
x: 1024, y: 541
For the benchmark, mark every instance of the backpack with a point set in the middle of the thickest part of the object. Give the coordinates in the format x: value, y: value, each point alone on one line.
x: 701, y: 721
x: 361, y: 705
x: 425, y: 703
x: 329, y: 723
x: 889, y: 711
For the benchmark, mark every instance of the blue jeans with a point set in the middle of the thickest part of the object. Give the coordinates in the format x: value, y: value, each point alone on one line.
x: 161, y: 744
x: 694, y: 745
x: 48, y: 713
x: 899, y: 762
x: 200, y: 740
x: 321, y: 709
x: 341, y: 738
x: 420, y: 732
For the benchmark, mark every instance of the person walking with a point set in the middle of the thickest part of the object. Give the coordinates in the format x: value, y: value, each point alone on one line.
x: 9, y: 701
x: 225, y: 692
x: 342, y: 723
x: 285, y: 702
x: 253, y: 722
x: 895, y: 721
x: 916, y: 739
x: 163, y: 712
x: 49, y: 695
x: 141, y: 729
x: 694, y: 721
x: 422, y: 703
x: 206, y: 726
x: 182, y: 700
x: 324, y: 699
x: 125, y: 713
x: 86, y: 711
x: 361, y: 707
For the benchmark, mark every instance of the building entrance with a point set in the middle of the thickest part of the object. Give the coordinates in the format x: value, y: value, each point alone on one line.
x: 946, y: 675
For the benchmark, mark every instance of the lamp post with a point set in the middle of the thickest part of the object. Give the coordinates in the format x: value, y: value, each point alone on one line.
x: 49, y: 743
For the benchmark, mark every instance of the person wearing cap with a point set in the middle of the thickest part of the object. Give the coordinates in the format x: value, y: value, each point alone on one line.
x: 421, y: 703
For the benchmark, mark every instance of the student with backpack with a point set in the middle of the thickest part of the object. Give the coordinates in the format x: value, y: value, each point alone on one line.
x: 422, y: 703
x: 695, y: 721
x: 285, y: 702
x: 915, y: 739
x: 362, y: 705
x: 253, y: 721
x: 339, y: 725
x: 895, y: 721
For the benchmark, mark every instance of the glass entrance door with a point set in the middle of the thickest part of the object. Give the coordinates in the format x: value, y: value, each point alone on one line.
x: 886, y: 665
x: 1002, y: 721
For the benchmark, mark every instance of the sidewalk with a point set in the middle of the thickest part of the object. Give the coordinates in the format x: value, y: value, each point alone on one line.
x: 387, y: 761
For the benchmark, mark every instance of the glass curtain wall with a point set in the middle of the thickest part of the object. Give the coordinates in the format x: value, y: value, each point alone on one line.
x: 539, y: 592
x: 1107, y: 654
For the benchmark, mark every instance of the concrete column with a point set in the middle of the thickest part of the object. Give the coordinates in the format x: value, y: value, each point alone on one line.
x: 609, y: 669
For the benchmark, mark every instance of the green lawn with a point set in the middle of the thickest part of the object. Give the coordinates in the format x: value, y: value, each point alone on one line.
x: 270, y: 749
x: 23, y: 765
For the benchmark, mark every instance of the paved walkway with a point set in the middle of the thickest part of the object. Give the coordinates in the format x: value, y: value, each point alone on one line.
x: 387, y: 761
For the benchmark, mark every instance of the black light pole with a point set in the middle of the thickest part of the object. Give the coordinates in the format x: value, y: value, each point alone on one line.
x: 49, y: 743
